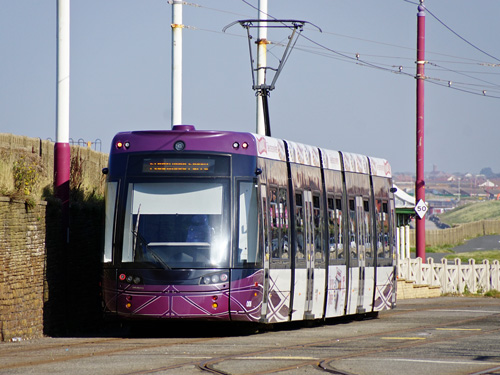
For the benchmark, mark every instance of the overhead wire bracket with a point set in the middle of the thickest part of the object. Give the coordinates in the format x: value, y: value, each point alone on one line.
x: 295, y: 25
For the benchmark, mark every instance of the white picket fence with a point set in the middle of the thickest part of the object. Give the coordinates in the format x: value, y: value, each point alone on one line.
x: 452, y: 278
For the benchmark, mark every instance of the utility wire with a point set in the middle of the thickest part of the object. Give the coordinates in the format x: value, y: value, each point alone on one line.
x: 472, y: 61
x: 461, y: 37
x: 453, y: 31
x: 466, y: 75
x: 482, y: 93
x: 398, y: 69
x: 195, y: 5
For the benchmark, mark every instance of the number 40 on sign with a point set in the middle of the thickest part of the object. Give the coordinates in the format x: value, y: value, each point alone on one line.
x: 421, y: 209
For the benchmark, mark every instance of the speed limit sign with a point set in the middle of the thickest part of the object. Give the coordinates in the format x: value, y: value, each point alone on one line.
x: 421, y: 208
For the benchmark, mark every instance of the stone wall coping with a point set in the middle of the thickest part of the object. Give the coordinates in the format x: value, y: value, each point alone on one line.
x: 9, y: 199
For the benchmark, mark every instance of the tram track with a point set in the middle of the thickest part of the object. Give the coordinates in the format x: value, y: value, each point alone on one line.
x: 324, y: 363
x: 64, y: 355
x: 27, y: 349
x: 270, y: 358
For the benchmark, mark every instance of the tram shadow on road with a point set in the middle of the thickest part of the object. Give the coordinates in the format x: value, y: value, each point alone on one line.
x: 201, y: 329
x: 178, y: 329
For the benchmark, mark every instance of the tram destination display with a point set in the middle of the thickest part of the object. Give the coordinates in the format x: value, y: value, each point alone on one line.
x: 166, y: 165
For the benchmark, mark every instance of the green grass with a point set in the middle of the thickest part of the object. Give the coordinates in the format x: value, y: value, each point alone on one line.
x: 472, y: 212
x: 436, y: 249
x: 492, y: 293
x: 478, y: 256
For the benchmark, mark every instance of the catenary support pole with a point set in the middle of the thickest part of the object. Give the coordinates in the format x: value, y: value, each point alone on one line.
x: 261, y: 66
x: 176, y: 97
x: 62, y: 154
x: 420, y: 183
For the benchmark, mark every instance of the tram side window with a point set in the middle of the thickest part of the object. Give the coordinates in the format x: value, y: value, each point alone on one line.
x: 278, y: 211
x: 111, y: 191
x: 353, y: 246
x: 383, y: 229
x: 248, y: 249
x: 386, y: 229
x: 380, y: 233
x: 340, y: 228
x: 264, y: 218
x: 318, y: 237
x: 284, y: 228
x: 392, y: 230
x: 299, y: 225
x: 274, y: 221
x: 368, y: 227
x: 332, y: 229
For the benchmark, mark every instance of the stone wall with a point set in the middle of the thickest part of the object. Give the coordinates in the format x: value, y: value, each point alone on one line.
x: 48, y: 285
x: 22, y: 269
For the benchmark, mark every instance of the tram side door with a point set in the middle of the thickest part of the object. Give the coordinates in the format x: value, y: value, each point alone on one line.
x: 263, y: 228
x: 361, y: 238
x: 309, y: 254
x: 356, y: 257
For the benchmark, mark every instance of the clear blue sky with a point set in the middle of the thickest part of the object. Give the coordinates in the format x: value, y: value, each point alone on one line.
x: 121, y: 66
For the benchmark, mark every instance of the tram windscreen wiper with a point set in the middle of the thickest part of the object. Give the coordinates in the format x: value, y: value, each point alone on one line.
x: 157, y: 257
x: 151, y: 252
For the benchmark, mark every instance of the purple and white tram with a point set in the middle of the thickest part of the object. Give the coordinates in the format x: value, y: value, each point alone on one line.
x: 219, y: 225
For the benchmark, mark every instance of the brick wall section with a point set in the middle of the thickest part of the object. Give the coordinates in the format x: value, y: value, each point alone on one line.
x: 410, y: 290
x: 22, y: 269
x: 48, y: 286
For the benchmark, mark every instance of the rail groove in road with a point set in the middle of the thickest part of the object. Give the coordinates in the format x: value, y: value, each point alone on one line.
x: 324, y: 363
x: 421, y: 334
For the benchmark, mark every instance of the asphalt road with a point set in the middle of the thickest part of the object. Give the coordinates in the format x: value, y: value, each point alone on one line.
x: 446, y: 335
x: 480, y: 243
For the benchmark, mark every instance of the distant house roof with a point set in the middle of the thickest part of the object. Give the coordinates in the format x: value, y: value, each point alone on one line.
x: 488, y: 183
x: 403, y: 200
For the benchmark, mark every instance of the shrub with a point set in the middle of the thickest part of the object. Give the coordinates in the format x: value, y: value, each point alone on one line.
x: 26, y: 172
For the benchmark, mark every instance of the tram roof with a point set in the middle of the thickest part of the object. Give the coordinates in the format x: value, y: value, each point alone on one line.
x: 380, y: 167
x: 247, y: 144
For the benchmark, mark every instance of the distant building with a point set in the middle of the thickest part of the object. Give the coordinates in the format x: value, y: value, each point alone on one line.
x: 405, y: 207
x: 488, y: 183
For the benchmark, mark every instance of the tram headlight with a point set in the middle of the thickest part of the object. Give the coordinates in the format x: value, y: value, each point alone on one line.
x: 214, y: 278
x: 131, y: 279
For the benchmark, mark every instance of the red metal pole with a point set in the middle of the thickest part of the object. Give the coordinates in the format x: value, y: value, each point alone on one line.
x: 420, y: 183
